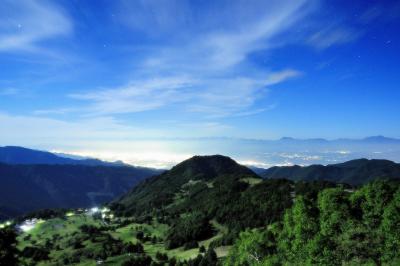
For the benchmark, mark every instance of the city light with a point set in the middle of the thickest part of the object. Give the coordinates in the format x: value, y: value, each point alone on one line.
x: 69, y: 214
x: 4, y: 225
x: 28, y: 225
x: 94, y: 210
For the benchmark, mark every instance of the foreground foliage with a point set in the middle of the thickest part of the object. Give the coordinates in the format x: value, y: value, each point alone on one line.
x: 337, y: 227
x: 8, y: 250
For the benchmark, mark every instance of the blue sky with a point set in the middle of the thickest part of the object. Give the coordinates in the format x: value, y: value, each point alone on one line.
x: 97, y: 75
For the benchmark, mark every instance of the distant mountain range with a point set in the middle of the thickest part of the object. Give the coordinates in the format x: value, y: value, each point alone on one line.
x: 286, y: 151
x: 371, y: 139
x: 20, y: 155
x: 354, y: 172
x: 32, y: 180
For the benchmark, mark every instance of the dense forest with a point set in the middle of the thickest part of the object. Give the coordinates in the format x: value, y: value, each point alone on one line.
x: 335, y: 227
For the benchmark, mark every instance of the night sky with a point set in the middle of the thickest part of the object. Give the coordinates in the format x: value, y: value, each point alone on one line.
x: 95, y: 77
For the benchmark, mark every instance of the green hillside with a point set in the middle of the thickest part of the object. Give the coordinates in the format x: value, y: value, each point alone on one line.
x: 160, y: 191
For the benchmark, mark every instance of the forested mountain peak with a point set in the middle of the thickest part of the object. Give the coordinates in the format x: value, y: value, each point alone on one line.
x: 161, y: 190
x: 209, y: 167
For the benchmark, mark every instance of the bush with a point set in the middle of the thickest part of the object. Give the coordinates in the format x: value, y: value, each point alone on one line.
x: 140, y: 235
x: 190, y: 245
x: 194, y: 227
x: 143, y: 260
x: 202, y: 249
x: 161, y: 256
x: 35, y: 253
x: 8, y: 250
x: 133, y: 248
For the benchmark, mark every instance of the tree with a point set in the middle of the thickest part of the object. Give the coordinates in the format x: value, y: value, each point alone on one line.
x: 299, y: 227
x: 248, y: 249
x: 202, y: 249
x: 390, y: 229
x: 335, y: 228
x: 210, y: 258
x: 8, y: 250
x: 140, y: 235
x: 142, y: 260
x: 36, y: 253
x: 371, y: 201
x: 189, y: 229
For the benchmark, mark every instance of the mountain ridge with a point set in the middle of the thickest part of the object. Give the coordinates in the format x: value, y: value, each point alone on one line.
x: 22, y: 155
x: 41, y: 186
x: 353, y: 172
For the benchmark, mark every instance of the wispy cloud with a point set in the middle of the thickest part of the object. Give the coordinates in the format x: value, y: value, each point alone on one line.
x: 203, y: 67
x: 280, y: 76
x: 49, y: 130
x: 60, y: 111
x: 24, y: 24
x: 333, y: 35
x: 137, y: 96
x: 216, y: 97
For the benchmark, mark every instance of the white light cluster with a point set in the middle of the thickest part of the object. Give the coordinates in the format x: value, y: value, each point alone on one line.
x: 4, y: 225
x: 94, y: 210
x: 106, y: 213
x: 28, y: 225
x: 69, y: 214
x: 105, y: 210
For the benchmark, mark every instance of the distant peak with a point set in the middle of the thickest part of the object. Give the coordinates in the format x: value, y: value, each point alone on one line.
x: 209, y: 160
x: 378, y: 137
x: 211, y: 157
x: 287, y: 138
x: 210, y: 166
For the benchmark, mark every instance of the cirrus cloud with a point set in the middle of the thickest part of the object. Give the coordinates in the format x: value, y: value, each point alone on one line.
x: 24, y: 24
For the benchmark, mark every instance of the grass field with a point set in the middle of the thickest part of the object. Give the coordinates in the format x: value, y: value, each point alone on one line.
x: 59, y: 228
x: 60, y: 231
x: 251, y: 180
